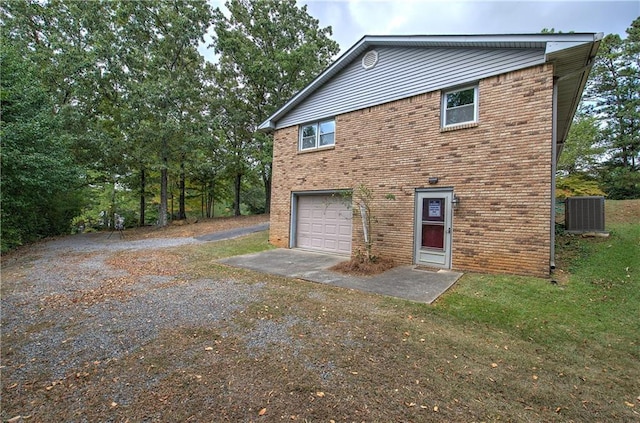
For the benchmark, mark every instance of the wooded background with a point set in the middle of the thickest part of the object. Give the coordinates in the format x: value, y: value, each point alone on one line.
x: 108, y: 107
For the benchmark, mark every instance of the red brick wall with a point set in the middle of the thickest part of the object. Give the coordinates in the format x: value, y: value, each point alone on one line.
x: 500, y: 169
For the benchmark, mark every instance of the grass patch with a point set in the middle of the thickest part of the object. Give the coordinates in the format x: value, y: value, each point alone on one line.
x: 588, y: 321
x: 598, y: 302
x: 252, y: 243
x: 494, y: 348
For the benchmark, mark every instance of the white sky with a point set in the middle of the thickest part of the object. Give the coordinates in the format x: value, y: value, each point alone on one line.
x: 352, y: 19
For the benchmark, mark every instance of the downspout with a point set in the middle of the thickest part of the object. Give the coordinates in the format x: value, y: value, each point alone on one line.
x: 554, y: 166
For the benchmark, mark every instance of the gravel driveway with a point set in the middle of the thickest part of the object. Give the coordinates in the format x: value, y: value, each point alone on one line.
x: 67, y: 304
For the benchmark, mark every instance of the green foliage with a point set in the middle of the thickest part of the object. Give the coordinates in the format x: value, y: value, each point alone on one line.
x: 269, y: 50
x: 253, y: 198
x: 128, y: 86
x: 575, y: 185
x: 615, y: 87
x: 40, y: 186
x: 581, y: 150
x: 620, y: 182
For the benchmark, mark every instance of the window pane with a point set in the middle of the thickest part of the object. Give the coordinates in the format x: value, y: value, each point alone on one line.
x: 309, y: 131
x: 326, y: 139
x: 460, y: 98
x: 327, y: 127
x: 308, y: 135
x: 433, y: 209
x: 308, y: 142
x: 460, y: 115
x: 433, y: 236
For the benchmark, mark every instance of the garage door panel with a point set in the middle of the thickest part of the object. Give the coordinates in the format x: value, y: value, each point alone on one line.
x: 331, y: 214
x: 330, y: 244
x: 317, y: 228
x: 344, y: 246
x: 331, y: 229
x: 304, y: 214
x: 304, y: 227
x: 344, y: 230
x: 324, y: 223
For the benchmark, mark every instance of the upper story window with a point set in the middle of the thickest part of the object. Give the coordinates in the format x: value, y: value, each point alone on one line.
x: 317, y: 135
x: 460, y: 106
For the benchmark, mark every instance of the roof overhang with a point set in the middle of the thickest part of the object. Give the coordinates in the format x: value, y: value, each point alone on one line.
x: 572, y: 63
x: 571, y: 54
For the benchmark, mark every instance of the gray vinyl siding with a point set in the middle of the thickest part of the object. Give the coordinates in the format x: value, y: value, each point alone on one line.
x: 405, y: 72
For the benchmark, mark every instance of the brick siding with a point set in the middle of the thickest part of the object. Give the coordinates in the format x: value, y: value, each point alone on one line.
x: 500, y: 168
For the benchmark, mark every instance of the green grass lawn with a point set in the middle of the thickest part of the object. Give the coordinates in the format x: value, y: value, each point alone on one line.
x: 587, y: 319
x: 596, y: 301
x: 496, y: 347
x: 493, y: 348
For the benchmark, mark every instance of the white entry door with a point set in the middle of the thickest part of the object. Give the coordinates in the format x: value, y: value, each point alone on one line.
x: 433, y: 228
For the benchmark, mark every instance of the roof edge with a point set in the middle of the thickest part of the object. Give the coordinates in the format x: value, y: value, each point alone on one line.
x: 471, y: 40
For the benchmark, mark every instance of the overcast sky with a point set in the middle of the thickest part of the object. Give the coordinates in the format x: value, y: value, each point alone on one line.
x: 352, y: 19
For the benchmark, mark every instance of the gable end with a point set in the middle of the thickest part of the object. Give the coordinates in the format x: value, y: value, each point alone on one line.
x: 405, y: 72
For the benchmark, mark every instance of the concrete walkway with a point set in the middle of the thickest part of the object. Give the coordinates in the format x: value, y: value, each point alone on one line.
x: 401, y: 282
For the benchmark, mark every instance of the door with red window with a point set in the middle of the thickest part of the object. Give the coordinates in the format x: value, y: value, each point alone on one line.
x: 433, y: 228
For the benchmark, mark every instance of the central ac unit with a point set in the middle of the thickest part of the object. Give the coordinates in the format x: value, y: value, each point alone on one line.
x: 584, y: 214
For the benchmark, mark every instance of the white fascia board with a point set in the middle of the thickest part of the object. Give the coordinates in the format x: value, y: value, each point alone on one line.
x: 555, y: 46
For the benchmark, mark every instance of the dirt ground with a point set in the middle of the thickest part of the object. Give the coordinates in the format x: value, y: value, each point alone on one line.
x: 196, y: 227
x: 150, y: 328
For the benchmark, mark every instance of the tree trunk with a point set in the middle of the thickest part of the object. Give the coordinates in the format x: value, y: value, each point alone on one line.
x: 143, y: 200
x: 182, y: 212
x: 236, y: 191
x: 203, y: 198
x: 210, y: 209
x: 266, y: 179
x: 162, y: 213
x: 210, y: 199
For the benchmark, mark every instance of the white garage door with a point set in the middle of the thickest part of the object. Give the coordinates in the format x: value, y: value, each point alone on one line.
x: 324, y: 223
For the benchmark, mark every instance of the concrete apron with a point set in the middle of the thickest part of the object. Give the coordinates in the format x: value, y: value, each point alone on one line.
x: 404, y: 282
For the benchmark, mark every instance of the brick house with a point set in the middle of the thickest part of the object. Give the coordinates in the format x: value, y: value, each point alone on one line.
x: 457, y: 137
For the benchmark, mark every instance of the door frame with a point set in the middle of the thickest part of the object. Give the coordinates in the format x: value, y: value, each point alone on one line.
x: 447, y: 194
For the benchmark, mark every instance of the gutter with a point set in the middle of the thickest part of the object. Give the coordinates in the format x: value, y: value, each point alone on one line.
x: 554, y: 167
x: 585, y: 70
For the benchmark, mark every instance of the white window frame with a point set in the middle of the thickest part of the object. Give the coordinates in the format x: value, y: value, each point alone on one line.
x: 445, y: 94
x: 317, y: 125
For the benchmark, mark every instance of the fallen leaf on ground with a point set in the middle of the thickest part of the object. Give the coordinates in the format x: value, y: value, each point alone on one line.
x: 262, y: 412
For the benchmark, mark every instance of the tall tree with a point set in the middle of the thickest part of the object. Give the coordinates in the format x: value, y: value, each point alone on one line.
x: 615, y: 86
x: 40, y: 188
x: 164, y: 84
x: 581, y: 148
x: 269, y: 50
